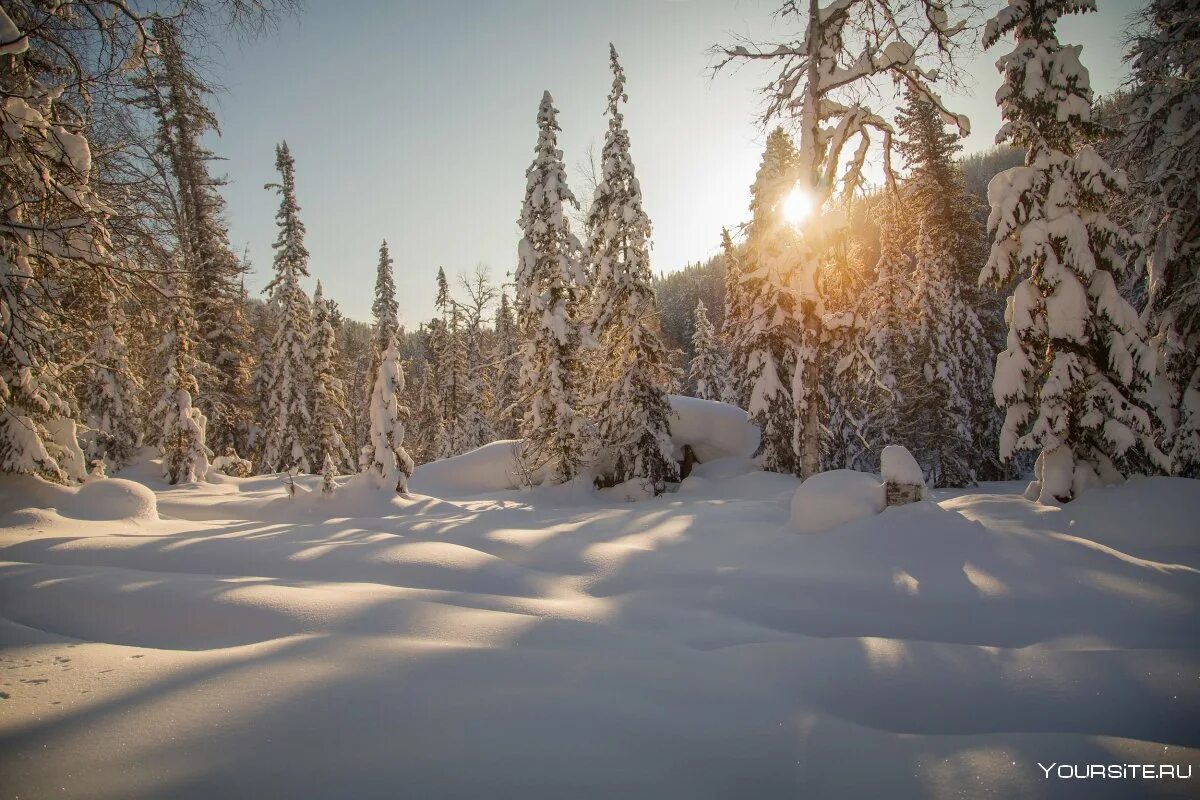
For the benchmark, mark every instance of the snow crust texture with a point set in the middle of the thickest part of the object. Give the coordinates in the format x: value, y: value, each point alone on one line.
x: 560, y: 642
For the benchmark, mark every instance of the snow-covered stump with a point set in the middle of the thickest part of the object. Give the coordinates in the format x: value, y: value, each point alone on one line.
x: 903, y: 480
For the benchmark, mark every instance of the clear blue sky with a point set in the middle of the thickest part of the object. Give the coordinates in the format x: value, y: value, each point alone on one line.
x: 414, y: 121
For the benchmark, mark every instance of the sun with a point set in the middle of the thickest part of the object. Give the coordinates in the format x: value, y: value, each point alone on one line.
x: 796, y: 207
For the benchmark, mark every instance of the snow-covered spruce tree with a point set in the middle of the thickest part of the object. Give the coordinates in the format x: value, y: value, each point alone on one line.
x: 447, y: 367
x: 263, y: 327
x: 1162, y: 154
x: 181, y: 425
x: 846, y: 371
x: 633, y: 411
x: 735, y: 325
x: 707, y: 373
x: 384, y: 455
x: 950, y: 356
x: 457, y: 400
x: 52, y: 227
x: 329, y: 471
x: 479, y: 294
x: 178, y: 96
x: 841, y: 56
x: 951, y: 428
x: 887, y: 340
x: 550, y: 287
x: 385, y: 310
x: 774, y: 325
x: 506, y: 373
x: 1077, y: 359
x: 429, y: 442
x: 287, y: 424
x: 328, y: 397
x: 111, y: 394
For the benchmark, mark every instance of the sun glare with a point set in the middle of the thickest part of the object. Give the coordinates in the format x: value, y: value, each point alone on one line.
x: 797, y: 206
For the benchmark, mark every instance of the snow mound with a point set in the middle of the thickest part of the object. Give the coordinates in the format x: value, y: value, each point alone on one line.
x: 899, y: 466
x: 493, y: 467
x: 832, y: 498
x: 112, y: 498
x: 97, y: 500
x: 714, y: 430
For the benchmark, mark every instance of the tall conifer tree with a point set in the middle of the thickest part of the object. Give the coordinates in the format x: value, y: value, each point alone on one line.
x: 550, y: 281
x: 633, y: 412
x: 288, y: 409
x: 1077, y: 361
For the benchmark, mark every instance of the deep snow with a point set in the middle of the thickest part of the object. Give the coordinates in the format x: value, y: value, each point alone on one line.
x: 561, y: 642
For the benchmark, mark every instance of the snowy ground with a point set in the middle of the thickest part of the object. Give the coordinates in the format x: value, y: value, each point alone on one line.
x: 559, y: 643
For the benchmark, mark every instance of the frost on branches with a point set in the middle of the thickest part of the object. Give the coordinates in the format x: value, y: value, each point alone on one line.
x: 633, y: 411
x: 185, y: 457
x: 550, y: 288
x: 1162, y: 152
x: 290, y: 381
x: 1077, y: 362
x: 707, y: 370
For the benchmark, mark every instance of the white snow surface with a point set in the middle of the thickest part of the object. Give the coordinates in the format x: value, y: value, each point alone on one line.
x: 493, y: 467
x: 829, y: 499
x: 897, y: 465
x: 561, y: 642
x: 713, y: 429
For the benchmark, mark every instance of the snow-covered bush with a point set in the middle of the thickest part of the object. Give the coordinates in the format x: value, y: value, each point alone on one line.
x: 230, y: 463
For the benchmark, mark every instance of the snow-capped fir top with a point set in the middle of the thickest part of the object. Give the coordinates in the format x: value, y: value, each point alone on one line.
x: 291, y: 256
x: 617, y: 95
x: 777, y: 175
x: 707, y: 370
x: 385, y: 308
x: 1041, y: 76
x: 442, y: 298
x: 617, y: 225
x: 547, y: 231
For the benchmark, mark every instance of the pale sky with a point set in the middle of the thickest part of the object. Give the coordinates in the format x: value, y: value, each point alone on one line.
x: 414, y: 121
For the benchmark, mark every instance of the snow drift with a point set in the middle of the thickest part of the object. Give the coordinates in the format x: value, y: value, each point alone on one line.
x: 559, y: 642
x: 832, y: 498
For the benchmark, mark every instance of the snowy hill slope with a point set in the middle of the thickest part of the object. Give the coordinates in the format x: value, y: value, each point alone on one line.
x: 555, y: 642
